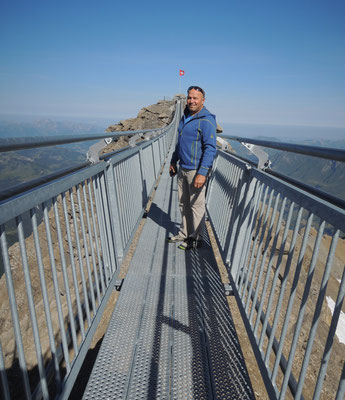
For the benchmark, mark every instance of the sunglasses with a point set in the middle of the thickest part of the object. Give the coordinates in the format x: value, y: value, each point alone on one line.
x: 198, y: 88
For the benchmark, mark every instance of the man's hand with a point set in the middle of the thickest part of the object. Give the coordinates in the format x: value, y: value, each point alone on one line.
x: 199, y: 181
x: 172, y: 169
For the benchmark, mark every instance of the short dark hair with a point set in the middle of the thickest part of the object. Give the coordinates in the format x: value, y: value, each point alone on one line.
x: 198, y: 88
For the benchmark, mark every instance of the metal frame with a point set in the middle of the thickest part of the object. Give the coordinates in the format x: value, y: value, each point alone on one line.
x: 23, y: 143
x: 315, y: 151
x: 257, y: 219
x: 77, y: 228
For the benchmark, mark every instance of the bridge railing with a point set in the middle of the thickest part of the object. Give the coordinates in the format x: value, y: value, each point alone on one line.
x: 284, y: 249
x: 62, y: 244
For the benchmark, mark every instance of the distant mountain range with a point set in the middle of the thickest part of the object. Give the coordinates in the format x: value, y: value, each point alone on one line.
x: 21, y: 166
x: 46, y: 127
x: 326, y: 175
x: 285, y: 133
x: 24, y: 165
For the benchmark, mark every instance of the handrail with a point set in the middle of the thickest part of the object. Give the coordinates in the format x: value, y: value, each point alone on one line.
x: 310, y: 189
x: 21, y: 143
x: 279, y: 244
x: 315, y: 151
x: 25, y: 186
x: 72, y: 231
x: 22, y: 187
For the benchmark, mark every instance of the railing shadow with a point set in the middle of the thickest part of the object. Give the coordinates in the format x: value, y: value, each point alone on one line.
x: 228, y: 373
x: 230, y: 195
x: 85, y: 371
x: 162, y: 218
x: 218, y: 366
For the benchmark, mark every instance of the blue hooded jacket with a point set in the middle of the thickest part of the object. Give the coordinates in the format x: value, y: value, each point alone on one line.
x: 196, y: 145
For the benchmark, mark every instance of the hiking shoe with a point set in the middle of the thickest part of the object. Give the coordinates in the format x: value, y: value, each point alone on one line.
x: 176, y: 238
x: 190, y: 244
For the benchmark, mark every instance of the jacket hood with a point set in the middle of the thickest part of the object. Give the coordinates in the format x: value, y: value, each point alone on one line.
x: 201, y: 114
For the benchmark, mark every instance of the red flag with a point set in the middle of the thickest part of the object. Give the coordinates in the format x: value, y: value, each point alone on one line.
x: 181, y: 72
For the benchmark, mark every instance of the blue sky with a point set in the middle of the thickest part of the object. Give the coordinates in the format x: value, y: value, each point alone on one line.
x: 266, y: 62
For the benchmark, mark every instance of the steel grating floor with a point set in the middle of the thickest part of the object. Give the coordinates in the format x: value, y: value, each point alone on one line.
x: 171, y: 335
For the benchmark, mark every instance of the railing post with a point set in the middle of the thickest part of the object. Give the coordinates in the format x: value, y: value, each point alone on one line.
x: 114, y: 211
x: 211, y: 179
x: 161, y: 156
x: 14, y: 312
x: 153, y: 161
x: 143, y: 180
x: 4, y: 381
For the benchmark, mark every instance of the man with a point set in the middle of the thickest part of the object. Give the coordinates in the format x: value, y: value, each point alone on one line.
x: 195, y: 151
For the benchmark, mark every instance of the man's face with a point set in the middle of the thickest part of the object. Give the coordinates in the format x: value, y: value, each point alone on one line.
x: 195, y: 101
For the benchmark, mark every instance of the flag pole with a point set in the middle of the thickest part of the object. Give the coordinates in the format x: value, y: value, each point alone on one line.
x: 181, y: 73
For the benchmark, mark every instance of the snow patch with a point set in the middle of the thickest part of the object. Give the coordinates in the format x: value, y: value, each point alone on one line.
x: 340, y: 332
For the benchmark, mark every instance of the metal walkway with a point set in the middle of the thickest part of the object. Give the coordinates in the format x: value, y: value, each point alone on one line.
x: 62, y: 240
x: 171, y: 334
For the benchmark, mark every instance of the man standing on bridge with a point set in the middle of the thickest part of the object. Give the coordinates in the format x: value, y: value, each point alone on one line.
x: 195, y: 151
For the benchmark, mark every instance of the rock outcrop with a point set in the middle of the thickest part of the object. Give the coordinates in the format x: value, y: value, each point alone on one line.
x: 154, y: 116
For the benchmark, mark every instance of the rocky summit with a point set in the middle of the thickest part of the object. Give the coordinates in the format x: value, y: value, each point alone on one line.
x: 154, y: 116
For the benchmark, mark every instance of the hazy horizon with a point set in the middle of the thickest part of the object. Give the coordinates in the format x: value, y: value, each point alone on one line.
x: 30, y: 117
x: 278, y: 131
x: 300, y: 132
x: 27, y: 118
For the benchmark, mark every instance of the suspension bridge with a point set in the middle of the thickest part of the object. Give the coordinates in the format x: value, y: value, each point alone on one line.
x: 171, y: 334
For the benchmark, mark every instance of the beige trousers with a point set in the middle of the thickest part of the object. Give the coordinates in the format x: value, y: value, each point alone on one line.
x: 192, y: 204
